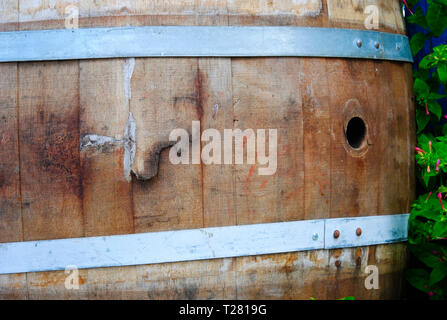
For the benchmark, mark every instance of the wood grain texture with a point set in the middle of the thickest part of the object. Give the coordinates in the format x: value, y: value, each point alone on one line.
x: 317, y: 138
x: 10, y: 203
x: 353, y: 93
x: 48, y: 108
x: 219, y: 187
x: 316, y: 13
x: 359, y: 11
x: 107, y: 197
x: 11, y: 228
x: 105, y: 94
x: 266, y: 95
x: 166, y: 96
x: 11, y: 286
x: 49, y: 147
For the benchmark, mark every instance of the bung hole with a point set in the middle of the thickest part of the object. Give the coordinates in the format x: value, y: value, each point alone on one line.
x: 356, y: 132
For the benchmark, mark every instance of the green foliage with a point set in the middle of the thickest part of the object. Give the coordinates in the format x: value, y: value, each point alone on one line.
x: 428, y: 219
x: 417, y: 42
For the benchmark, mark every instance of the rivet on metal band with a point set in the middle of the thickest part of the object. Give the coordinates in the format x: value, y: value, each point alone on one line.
x: 201, y: 41
x: 200, y: 244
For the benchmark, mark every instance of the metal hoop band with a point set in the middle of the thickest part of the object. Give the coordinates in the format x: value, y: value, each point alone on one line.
x: 192, y: 41
x: 199, y: 244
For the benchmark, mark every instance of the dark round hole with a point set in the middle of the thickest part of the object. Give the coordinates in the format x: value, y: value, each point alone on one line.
x: 356, y: 132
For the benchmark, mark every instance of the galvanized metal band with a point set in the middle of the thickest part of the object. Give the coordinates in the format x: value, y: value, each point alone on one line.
x: 200, y: 244
x: 201, y: 41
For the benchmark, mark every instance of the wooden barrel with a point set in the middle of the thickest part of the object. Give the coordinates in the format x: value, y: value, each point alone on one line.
x: 345, y: 137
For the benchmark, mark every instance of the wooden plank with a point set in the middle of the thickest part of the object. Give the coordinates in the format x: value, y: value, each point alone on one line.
x: 216, y: 278
x: 49, y: 140
x: 287, y: 276
x: 266, y: 95
x: 49, y: 146
x: 11, y: 286
x: 105, y: 95
x: 307, y: 8
x: 396, y: 195
x: 165, y: 96
x: 354, y: 171
x: 9, y: 15
x: 313, y: 13
x: 219, y: 207
x: 353, y: 93
x: 196, y: 280
x: 52, y: 286
x: 42, y: 14
x: 359, y: 12
x: 317, y: 138
x: 392, y: 261
x: 203, y: 84
x: 142, y: 202
x: 10, y: 207
x: 383, y: 106
x: 107, y: 191
x: 346, y: 268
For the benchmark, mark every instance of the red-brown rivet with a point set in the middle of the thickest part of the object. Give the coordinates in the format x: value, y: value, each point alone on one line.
x: 358, y: 232
x: 336, y: 234
x: 338, y: 263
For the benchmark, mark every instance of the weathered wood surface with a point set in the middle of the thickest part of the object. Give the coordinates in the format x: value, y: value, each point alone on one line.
x: 11, y: 286
x: 53, y: 184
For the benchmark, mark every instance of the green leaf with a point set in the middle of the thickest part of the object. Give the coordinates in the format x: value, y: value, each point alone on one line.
x: 423, y: 74
x: 424, y: 140
x: 417, y: 42
x: 425, y: 253
x: 436, y: 96
x: 427, y: 208
x: 434, y: 82
x: 442, y: 72
x: 435, y: 108
x: 427, y: 62
x: 419, y: 230
x: 438, y: 273
x: 440, y: 229
x: 418, y: 278
x: 418, y: 18
x: 422, y: 120
x: 437, y: 18
x: 421, y: 88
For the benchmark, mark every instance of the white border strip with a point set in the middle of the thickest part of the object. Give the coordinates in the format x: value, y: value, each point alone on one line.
x: 198, y: 244
x: 201, y: 41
